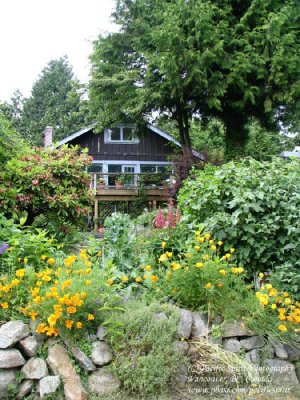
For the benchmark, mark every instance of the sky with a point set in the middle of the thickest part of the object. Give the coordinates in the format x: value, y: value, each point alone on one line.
x: 33, y: 32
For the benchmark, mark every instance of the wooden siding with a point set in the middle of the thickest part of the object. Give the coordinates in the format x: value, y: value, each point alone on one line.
x: 152, y: 147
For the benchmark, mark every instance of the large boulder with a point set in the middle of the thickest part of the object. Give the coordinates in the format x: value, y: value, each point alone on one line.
x: 60, y: 364
x: 35, y: 368
x: 282, y: 373
x: 103, y: 383
x: 254, y: 342
x: 29, y: 346
x: 11, y: 358
x: 12, y: 332
x: 200, y: 326
x: 101, y: 354
x: 48, y: 385
x: 233, y: 329
x: 24, y: 389
x: 185, y: 324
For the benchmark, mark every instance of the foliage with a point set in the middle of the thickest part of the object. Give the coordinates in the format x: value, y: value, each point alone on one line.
x: 143, y: 344
x: 56, y: 99
x: 187, y: 59
x: 286, y: 277
x: 46, y: 182
x: 65, y: 295
x: 26, y: 246
x: 253, y: 205
x: 11, y: 143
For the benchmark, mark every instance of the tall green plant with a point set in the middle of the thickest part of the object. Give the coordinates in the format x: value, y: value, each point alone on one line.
x: 254, y: 206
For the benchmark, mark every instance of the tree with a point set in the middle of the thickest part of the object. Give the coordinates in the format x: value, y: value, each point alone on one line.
x: 56, y: 99
x: 229, y: 59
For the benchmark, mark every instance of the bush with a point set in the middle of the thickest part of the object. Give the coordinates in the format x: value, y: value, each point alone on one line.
x: 254, y: 206
x: 145, y: 358
x: 47, y: 182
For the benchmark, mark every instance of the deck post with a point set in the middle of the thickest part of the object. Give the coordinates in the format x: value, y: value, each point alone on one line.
x: 96, y: 216
x: 154, y: 204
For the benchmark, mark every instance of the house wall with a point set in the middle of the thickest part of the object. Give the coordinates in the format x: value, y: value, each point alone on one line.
x: 151, y: 147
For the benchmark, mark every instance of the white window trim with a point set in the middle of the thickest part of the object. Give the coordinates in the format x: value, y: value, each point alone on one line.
x: 107, y: 139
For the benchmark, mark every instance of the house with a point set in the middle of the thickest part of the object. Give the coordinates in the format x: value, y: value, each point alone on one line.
x: 121, y: 154
x: 294, y: 153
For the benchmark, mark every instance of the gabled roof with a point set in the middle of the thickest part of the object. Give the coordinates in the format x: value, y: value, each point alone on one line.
x: 149, y: 126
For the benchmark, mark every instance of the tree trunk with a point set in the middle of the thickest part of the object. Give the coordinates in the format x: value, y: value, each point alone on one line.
x: 184, y: 132
x: 236, y: 135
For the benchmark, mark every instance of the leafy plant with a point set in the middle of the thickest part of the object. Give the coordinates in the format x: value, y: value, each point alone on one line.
x: 254, y: 206
x: 145, y: 359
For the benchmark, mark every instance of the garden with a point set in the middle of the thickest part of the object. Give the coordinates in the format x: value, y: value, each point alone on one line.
x: 139, y: 312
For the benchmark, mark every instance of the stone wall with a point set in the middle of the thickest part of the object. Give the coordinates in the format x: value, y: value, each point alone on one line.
x: 19, y: 349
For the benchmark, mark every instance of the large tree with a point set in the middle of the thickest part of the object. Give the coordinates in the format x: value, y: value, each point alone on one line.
x: 230, y: 59
x: 56, y: 99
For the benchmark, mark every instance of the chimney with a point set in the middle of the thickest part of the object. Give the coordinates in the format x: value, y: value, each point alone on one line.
x: 48, y: 133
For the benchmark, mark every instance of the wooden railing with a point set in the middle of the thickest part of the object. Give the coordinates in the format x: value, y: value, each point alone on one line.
x: 126, y: 180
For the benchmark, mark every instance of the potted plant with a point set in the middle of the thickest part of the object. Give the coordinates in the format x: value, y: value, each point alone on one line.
x: 120, y: 180
x: 100, y: 184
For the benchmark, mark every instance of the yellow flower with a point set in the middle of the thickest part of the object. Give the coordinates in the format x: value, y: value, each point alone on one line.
x: 148, y: 268
x: 162, y: 258
x: 197, y: 248
x: 124, y: 279
x: 273, y: 292
x: 213, y: 247
x: 282, y: 328
x: 90, y: 317
x: 163, y: 244
x: 20, y: 273
x: 52, y: 319
x: 69, y: 323
x: 19, y: 260
x: 25, y: 260
x: 4, y: 305
x: 51, y: 261
x: 15, y: 282
x: 208, y: 285
x: 88, y: 264
x: 71, y: 310
x: 232, y: 250
x: 285, y: 294
x: 46, y: 278
x: 261, y: 275
x: 175, y: 266
x: 199, y: 265
x: 110, y: 281
x: 145, y: 276
x: 200, y: 239
x: 83, y: 295
x: 43, y: 257
x: 99, y: 254
x: 32, y: 315
x: 138, y: 279
x: 78, y: 325
x: 41, y: 328
x: 222, y: 272
x: 220, y: 243
x: 273, y: 306
x: 154, y: 278
x: 87, y: 282
x: 287, y: 301
x: 169, y: 254
x: 51, y: 331
x: 207, y: 236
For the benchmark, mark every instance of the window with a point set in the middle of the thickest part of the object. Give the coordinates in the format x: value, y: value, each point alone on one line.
x: 120, y: 134
x: 95, y: 168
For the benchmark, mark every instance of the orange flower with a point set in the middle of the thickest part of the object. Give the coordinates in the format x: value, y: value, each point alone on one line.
x: 51, y: 261
x: 69, y: 323
x: 71, y: 310
x: 90, y: 317
x: 78, y: 325
x: 154, y: 278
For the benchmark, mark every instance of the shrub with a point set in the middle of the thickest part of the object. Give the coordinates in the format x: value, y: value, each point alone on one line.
x: 46, y: 182
x: 254, y: 206
x: 145, y: 359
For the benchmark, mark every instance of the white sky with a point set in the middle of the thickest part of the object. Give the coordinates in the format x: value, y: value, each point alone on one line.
x: 33, y: 32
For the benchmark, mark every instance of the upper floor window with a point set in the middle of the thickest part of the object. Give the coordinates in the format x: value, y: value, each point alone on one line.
x: 120, y: 134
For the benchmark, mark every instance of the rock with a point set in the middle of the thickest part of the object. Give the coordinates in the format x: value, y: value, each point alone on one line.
x: 35, y: 368
x: 11, y: 358
x: 29, y: 346
x: 101, y: 354
x: 237, y: 328
x: 293, y: 351
x: 91, y: 337
x: 282, y: 373
x: 60, y: 364
x: 7, y: 378
x: 160, y: 316
x: 48, y: 385
x: 232, y: 345
x: 185, y: 324
x: 83, y: 360
x: 12, y: 332
x: 101, y: 333
x: 253, y: 357
x: 24, y: 389
x: 217, y: 320
x: 254, y: 342
x: 215, y: 340
x: 181, y: 347
x: 103, y: 383
x: 280, y: 351
x: 200, y: 325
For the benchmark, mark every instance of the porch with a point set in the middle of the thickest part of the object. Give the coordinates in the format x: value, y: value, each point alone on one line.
x: 128, y: 187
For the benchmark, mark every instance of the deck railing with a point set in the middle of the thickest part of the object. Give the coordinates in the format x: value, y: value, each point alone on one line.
x: 127, y: 180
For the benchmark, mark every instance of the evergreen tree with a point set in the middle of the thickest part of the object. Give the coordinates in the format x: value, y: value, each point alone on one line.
x: 229, y: 59
x: 57, y: 100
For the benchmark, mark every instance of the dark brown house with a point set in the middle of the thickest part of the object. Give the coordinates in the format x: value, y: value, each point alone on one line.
x: 122, y: 153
